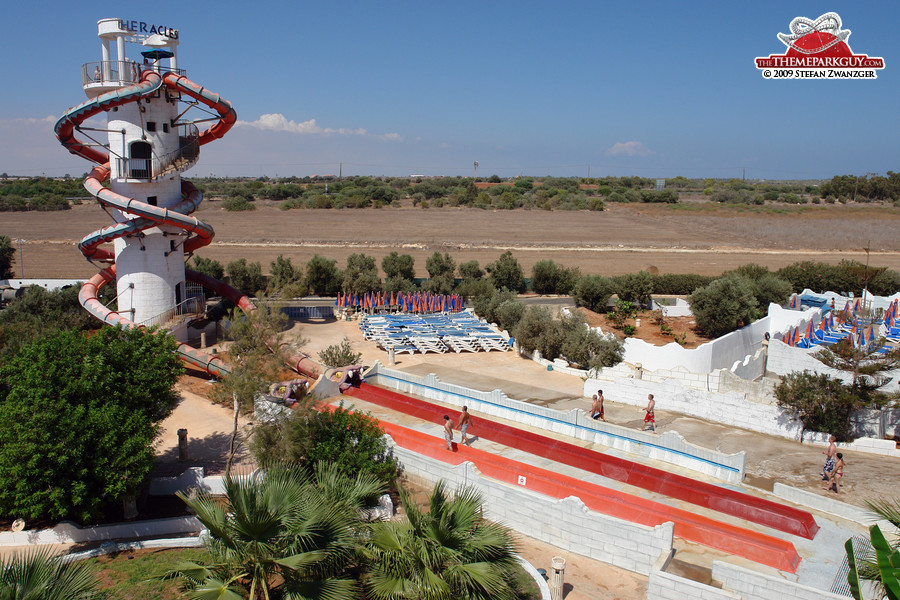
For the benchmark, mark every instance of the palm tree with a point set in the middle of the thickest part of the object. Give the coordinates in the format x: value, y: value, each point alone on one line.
x: 449, y: 552
x: 39, y: 575
x: 880, y: 563
x: 281, y: 533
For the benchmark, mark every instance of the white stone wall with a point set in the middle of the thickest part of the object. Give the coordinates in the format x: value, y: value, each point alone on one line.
x: 566, y: 524
x: 666, y: 586
x: 729, y: 408
x: 69, y: 533
x: 753, y: 585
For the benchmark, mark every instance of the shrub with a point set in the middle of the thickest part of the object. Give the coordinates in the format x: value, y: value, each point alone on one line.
x: 593, y: 292
x: 207, y: 266
x: 246, y: 277
x: 665, y: 196
x: 549, y: 278
x: 340, y: 355
x: 635, y: 287
x: 724, y: 305
x: 509, y: 313
x: 352, y: 441
x: 486, y: 305
x: 237, y: 203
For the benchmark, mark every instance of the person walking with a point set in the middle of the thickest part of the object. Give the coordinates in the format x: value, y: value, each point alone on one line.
x: 448, y: 432
x: 650, y: 417
x: 829, y: 458
x: 834, y: 480
x: 464, y: 420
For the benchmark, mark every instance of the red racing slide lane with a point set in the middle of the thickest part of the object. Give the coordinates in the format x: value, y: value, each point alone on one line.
x: 758, y: 547
x: 745, y: 506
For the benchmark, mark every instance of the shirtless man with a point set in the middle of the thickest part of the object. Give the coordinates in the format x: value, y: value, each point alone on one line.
x: 464, y: 420
x: 597, y: 406
x: 650, y: 417
x: 829, y: 458
x: 834, y: 480
x: 448, y: 432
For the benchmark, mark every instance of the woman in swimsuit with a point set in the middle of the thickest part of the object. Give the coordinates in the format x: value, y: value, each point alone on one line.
x: 834, y: 480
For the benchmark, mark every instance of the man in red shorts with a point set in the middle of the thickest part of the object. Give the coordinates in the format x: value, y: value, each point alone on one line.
x: 650, y: 417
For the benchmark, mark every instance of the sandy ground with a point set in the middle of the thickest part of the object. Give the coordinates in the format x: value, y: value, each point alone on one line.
x: 696, y: 238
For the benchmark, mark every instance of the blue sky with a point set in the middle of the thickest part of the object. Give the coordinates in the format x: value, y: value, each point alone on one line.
x: 656, y: 89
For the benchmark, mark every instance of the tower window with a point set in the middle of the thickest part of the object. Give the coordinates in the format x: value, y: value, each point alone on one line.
x: 151, y: 200
x: 151, y: 125
x: 165, y: 128
x: 139, y: 164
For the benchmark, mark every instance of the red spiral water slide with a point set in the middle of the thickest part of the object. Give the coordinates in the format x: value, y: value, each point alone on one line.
x: 200, y: 234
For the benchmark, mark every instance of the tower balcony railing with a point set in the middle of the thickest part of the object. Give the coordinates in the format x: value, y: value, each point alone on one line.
x: 182, y: 159
x: 118, y: 73
x: 191, y: 307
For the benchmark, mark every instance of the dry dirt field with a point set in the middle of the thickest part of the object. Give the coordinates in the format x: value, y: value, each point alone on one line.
x: 685, y: 238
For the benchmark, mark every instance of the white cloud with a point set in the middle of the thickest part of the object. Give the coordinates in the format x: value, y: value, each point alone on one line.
x: 278, y: 122
x: 629, y: 149
x: 392, y: 137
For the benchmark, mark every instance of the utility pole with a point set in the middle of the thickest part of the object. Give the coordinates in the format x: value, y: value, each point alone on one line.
x: 21, y: 260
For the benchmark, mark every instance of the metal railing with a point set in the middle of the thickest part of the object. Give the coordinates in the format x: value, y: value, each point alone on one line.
x: 118, y: 72
x: 191, y: 306
x: 178, y: 160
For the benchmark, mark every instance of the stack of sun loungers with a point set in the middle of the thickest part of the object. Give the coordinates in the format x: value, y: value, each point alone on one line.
x: 459, y: 332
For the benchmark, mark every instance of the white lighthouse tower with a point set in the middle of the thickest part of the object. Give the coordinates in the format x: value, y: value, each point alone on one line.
x: 148, y: 150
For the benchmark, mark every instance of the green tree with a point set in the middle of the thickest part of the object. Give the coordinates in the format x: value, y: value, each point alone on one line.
x: 636, y: 288
x: 820, y: 403
x: 544, y: 276
x: 39, y: 575
x: 593, y: 292
x: 587, y: 348
x: 549, y: 278
x: 246, y: 277
x: 398, y: 265
x: 507, y: 273
x: 7, y: 257
x: 724, y: 305
x: 285, y: 534
x: 283, y: 274
x: 207, y: 266
x: 323, y: 277
x: 78, y: 416
x: 470, y: 270
x: 257, y: 354
x: 441, y: 269
x: 39, y: 313
x: 864, y: 363
x: 451, y: 551
x: 350, y: 440
x: 361, y: 275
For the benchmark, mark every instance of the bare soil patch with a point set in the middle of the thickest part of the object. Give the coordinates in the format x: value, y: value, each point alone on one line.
x: 646, y: 329
x: 684, y: 238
